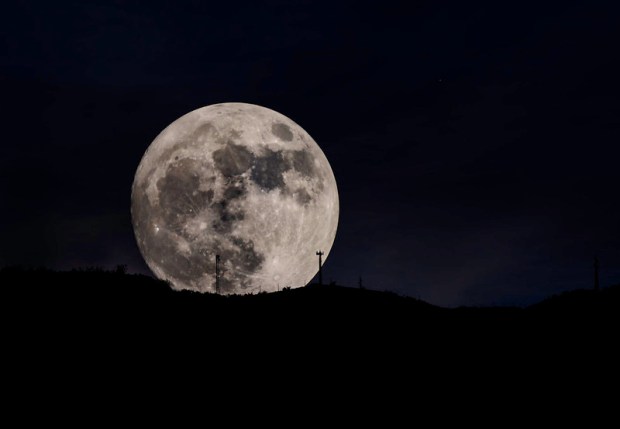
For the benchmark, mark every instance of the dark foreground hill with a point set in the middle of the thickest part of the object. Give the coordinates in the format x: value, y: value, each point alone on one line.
x: 114, y: 300
x: 99, y: 328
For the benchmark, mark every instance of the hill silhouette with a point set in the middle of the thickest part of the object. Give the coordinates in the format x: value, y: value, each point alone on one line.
x: 108, y: 326
x: 109, y: 299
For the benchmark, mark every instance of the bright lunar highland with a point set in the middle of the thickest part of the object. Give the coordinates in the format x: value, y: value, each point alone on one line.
x: 240, y: 181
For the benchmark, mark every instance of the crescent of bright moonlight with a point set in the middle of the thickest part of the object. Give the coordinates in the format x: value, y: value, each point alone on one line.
x: 240, y: 181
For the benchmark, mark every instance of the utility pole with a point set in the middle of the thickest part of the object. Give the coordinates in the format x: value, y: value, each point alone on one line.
x: 596, y: 268
x: 320, y: 255
x: 217, y: 274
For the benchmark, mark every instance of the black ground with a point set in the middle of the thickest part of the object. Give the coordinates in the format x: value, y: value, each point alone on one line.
x: 113, y: 302
x: 95, y: 333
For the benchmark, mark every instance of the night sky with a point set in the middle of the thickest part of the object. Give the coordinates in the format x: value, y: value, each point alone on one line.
x: 475, y: 145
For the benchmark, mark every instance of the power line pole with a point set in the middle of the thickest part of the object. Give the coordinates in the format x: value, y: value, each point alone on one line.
x: 217, y: 274
x: 320, y: 255
x: 596, y: 268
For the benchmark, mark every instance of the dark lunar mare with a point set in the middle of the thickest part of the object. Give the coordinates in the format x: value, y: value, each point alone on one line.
x: 267, y: 170
x: 302, y: 161
x: 282, y: 131
x: 162, y: 244
x: 232, y: 160
x: 180, y: 197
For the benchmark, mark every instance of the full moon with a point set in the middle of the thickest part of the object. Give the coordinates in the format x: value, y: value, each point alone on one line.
x: 240, y: 181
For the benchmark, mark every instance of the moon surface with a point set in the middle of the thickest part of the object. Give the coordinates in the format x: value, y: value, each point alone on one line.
x: 240, y: 181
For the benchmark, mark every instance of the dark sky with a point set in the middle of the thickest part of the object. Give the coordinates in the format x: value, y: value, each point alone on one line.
x: 475, y: 145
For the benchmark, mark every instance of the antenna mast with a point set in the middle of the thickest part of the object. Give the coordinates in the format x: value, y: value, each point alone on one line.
x: 320, y: 255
